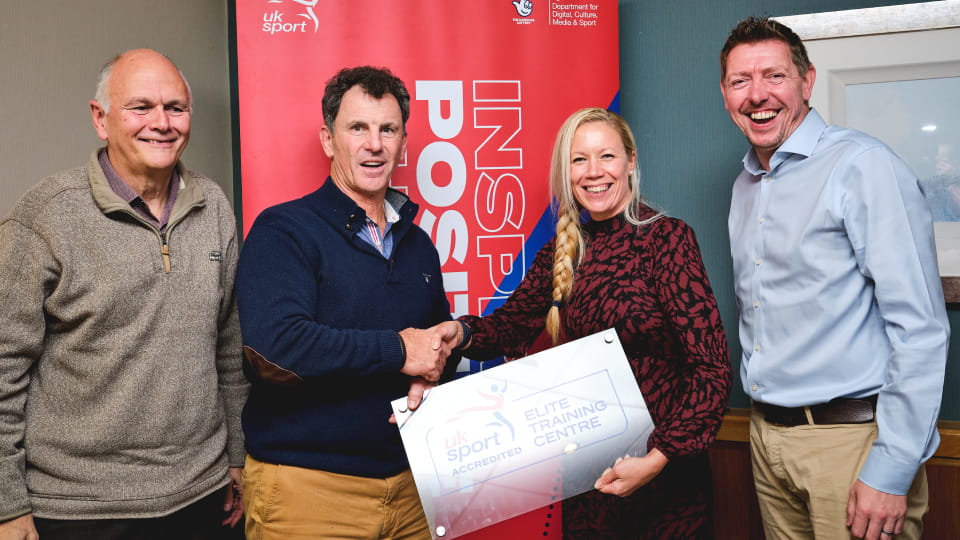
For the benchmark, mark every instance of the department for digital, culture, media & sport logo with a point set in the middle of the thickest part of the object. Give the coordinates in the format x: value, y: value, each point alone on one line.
x: 290, y: 17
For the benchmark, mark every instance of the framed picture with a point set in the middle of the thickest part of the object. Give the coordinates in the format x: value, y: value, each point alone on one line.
x: 894, y: 72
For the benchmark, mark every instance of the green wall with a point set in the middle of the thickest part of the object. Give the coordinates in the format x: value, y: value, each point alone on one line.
x: 689, y: 149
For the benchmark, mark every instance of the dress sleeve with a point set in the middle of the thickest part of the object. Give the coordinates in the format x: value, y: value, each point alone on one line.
x: 512, y: 328
x: 691, y: 308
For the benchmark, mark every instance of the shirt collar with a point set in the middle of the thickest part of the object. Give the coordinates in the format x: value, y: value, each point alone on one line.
x: 121, y: 188
x: 117, y: 184
x: 389, y: 212
x: 131, y: 197
x: 801, y: 142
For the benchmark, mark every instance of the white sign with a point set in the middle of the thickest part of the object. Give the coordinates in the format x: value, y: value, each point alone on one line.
x: 520, y: 436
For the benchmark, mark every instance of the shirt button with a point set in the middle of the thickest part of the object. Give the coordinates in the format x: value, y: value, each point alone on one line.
x: 762, y: 219
x: 757, y: 262
x: 756, y: 347
x: 756, y: 305
x: 754, y: 387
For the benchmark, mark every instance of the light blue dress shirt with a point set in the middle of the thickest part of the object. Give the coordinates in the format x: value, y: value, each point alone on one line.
x: 839, y: 293
x: 370, y: 232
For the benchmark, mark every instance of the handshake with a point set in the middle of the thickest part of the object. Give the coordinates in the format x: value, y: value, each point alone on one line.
x: 427, y: 350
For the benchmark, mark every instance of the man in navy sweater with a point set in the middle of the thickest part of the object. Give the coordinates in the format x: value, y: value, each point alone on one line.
x: 331, y: 288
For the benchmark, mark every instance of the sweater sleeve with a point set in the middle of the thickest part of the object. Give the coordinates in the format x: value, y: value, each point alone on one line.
x: 233, y: 385
x: 512, y: 328
x: 277, y: 293
x: 26, y: 270
x: 688, y: 300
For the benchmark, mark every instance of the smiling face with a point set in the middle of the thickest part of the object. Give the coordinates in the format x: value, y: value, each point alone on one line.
x: 148, y: 124
x: 365, y: 144
x: 765, y: 94
x: 600, y: 170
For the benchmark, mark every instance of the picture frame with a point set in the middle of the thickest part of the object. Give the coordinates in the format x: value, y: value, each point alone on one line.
x: 901, y: 43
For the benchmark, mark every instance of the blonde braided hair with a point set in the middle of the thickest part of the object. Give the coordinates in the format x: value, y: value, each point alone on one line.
x: 568, y: 248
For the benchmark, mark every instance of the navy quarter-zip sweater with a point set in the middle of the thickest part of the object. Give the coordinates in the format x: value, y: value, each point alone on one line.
x: 320, y: 309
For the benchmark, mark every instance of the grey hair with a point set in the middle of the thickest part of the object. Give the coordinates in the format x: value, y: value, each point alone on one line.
x: 102, y: 93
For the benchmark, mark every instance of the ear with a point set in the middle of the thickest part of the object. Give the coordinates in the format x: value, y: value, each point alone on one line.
x: 808, y: 81
x: 326, y: 140
x: 99, y: 118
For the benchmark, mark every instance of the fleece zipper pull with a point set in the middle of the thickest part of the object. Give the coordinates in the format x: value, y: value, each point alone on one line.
x: 165, y: 253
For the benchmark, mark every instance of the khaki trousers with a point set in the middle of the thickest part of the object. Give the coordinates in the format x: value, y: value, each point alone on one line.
x: 283, y: 502
x: 803, y: 476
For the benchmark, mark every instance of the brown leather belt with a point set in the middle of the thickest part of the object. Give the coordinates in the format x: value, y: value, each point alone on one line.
x: 837, y: 411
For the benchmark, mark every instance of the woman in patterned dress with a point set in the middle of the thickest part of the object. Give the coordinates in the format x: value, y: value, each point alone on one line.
x: 617, y: 263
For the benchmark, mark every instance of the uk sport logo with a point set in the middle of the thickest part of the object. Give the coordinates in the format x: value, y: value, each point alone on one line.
x: 275, y: 21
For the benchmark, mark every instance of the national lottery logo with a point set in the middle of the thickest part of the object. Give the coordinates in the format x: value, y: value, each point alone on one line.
x: 277, y: 21
x: 524, y: 7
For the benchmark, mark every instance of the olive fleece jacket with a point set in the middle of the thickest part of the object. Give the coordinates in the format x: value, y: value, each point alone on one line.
x: 121, y: 380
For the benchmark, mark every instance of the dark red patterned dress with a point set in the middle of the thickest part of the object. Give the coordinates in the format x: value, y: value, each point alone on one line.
x: 650, y: 284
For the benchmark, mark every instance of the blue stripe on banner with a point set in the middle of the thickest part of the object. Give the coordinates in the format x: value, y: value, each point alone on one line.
x: 615, y: 104
x: 541, y: 234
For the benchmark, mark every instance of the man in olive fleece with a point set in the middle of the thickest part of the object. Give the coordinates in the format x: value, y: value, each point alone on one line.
x: 120, y: 370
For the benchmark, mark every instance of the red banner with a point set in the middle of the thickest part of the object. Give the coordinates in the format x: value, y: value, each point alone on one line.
x: 490, y: 83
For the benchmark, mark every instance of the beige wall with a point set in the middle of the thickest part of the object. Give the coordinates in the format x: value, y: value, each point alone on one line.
x: 50, y: 54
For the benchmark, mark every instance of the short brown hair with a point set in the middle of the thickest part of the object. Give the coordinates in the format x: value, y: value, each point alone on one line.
x: 756, y: 29
x: 375, y: 81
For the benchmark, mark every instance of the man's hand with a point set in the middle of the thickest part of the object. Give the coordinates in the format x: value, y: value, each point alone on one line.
x: 233, y: 503
x: 419, y: 388
x: 427, y: 350
x: 870, y: 511
x: 20, y: 528
x: 629, y: 474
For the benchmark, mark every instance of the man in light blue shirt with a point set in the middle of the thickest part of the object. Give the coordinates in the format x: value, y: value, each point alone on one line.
x: 842, y: 318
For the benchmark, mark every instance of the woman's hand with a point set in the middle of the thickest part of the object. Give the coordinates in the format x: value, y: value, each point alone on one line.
x: 629, y: 474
